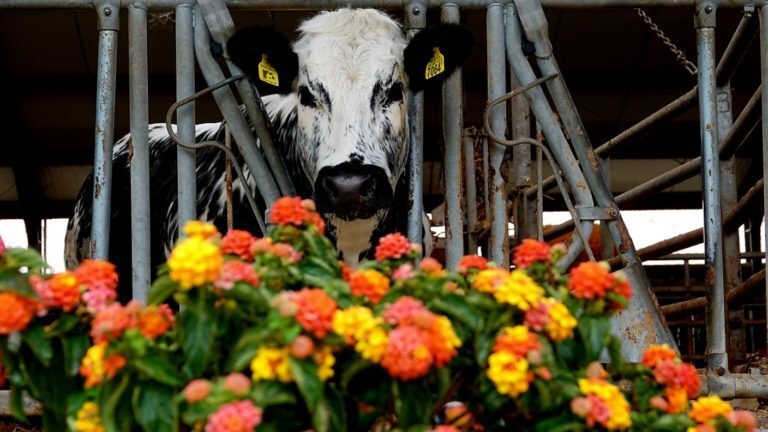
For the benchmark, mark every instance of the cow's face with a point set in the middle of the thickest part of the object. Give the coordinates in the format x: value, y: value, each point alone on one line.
x: 349, y: 82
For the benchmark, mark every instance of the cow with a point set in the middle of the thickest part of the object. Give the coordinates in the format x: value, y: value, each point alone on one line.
x: 339, y: 113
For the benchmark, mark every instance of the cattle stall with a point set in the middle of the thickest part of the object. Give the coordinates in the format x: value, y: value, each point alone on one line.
x: 516, y: 34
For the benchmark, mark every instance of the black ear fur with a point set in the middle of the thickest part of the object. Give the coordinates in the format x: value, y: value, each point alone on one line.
x: 455, y: 42
x: 246, y: 47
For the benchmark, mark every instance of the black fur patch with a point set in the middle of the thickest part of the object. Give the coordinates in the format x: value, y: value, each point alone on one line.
x: 455, y: 43
x: 246, y: 47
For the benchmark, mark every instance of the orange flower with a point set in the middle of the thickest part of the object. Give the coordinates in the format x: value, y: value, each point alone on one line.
x: 677, y: 400
x: 97, y: 274
x: 197, y: 390
x: 64, y: 291
x: 517, y: 340
x: 442, y: 340
x: 392, y: 246
x: 407, y: 355
x: 708, y: 408
x: 110, y: 322
x: 154, y: 321
x: 294, y: 211
x: 591, y: 280
x: 314, y: 311
x: 370, y: 284
x: 657, y: 353
x: 96, y: 366
x: 431, y: 267
x: 469, y: 262
x: 238, y: 242
x: 673, y: 374
x: 346, y: 271
x: 529, y: 252
x: 236, y: 271
x: 15, y: 312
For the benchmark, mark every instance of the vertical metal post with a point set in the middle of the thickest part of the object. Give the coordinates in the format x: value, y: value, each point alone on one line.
x: 452, y: 126
x: 470, y: 190
x: 497, y: 83
x: 705, y: 20
x: 764, y: 75
x: 139, y: 111
x: 416, y: 19
x: 185, y: 87
x: 108, y: 15
x: 521, y: 172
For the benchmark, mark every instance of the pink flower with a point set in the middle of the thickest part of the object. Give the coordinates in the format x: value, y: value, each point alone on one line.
x: 236, y: 271
x: 237, y: 383
x: 403, y: 272
x: 403, y: 310
x: 196, y: 390
x: 96, y: 299
x: 240, y: 416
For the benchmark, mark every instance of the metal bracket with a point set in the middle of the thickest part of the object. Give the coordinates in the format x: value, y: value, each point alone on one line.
x: 108, y: 14
x: 705, y: 14
x: 415, y: 16
x: 597, y: 213
x: 219, y: 21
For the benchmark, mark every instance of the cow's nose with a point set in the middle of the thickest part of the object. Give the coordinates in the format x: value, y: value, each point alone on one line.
x: 348, y: 189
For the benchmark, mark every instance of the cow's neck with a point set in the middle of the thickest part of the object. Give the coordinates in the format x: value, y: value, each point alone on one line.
x: 355, y: 238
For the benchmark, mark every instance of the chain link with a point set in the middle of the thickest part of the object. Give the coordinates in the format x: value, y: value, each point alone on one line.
x: 679, y: 54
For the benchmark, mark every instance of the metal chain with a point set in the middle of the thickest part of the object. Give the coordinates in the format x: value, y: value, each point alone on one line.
x: 679, y: 54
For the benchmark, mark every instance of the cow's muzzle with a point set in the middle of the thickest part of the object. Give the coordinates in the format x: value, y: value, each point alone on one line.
x: 352, y: 191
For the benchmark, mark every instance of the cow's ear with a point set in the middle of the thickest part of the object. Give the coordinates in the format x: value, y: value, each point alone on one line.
x: 435, y: 53
x: 266, y: 57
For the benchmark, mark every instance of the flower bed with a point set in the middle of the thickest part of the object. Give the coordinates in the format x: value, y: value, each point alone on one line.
x: 275, y: 334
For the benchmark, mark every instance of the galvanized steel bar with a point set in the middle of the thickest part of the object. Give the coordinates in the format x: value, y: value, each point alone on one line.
x: 185, y: 87
x: 108, y: 24
x: 470, y: 189
x: 705, y: 18
x: 521, y: 168
x: 139, y: 143
x: 416, y: 19
x: 497, y: 83
x: 764, y: 75
x: 452, y: 127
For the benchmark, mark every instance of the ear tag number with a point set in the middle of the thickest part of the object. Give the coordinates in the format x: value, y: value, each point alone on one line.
x: 267, y: 73
x: 436, y: 64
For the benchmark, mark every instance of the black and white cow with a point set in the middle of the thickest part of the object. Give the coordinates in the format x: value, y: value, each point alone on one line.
x: 340, y: 119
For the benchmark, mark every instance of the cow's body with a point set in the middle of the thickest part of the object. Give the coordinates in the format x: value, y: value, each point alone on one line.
x: 340, y: 121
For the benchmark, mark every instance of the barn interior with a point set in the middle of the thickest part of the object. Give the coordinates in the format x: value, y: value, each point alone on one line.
x: 618, y: 69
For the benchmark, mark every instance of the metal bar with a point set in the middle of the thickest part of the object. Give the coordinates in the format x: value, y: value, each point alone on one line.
x: 520, y: 171
x: 379, y: 4
x: 186, y: 159
x: 453, y: 124
x: 498, y: 242
x: 764, y: 76
x: 717, y: 356
x: 470, y: 190
x: 259, y: 170
x: 108, y: 25
x: 699, y: 302
x: 416, y: 19
x: 139, y: 143
x: 736, y: 386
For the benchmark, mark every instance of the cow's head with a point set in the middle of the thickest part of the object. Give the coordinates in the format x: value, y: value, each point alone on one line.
x: 346, y: 78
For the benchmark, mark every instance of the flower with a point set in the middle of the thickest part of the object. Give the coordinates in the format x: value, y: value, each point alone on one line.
x: 194, y: 262
x: 609, y: 407
x: 96, y: 366
x: 110, y: 322
x: 62, y: 291
x: 591, y: 280
x: 407, y: 355
x: 196, y: 390
x: 471, y: 262
x: 2, y: 247
x: 237, y: 383
x: 314, y: 311
x: 293, y: 211
x: 519, y: 290
x: 446, y: 428
x: 561, y: 323
x: 302, y: 347
x: 372, y: 341
x: 487, y: 280
x: 199, y: 229
x: 370, y: 284
x: 392, y: 246
x: 359, y: 327
x: 238, y: 243
x: 236, y: 271
x: 271, y: 364
x: 443, y: 340
x: 97, y: 275
x: 15, y: 312
x: 671, y: 373
x: 404, y: 272
x: 238, y: 416
x: 154, y: 321
x: 97, y: 299
x: 516, y: 340
x: 403, y: 310
x: 88, y: 419
x: 509, y: 373
x: 708, y: 408
x: 346, y: 322
x: 530, y: 251
x: 657, y: 353
x: 431, y: 267
x: 325, y: 361
x: 743, y: 419
x: 677, y: 400
x: 286, y: 252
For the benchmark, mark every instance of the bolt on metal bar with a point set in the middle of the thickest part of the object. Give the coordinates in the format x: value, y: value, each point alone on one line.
x: 470, y: 188
x: 499, y: 239
x: 764, y: 75
x: 416, y: 19
x: 705, y: 18
x: 139, y: 142
x: 186, y: 159
x: 452, y: 126
x: 108, y: 26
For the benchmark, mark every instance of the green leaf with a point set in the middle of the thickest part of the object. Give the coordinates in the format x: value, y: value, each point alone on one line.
x: 154, y: 407
x: 34, y: 337
x: 594, y: 333
x: 20, y: 257
x: 74, y: 348
x: 17, y: 404
x: 246, y: 347
x: 244, y: 292
x: 109, y: 398
x: 12, y: 281
x: 160, y: 290
x: 197, y: 328
x: 158, y: 368
x: 64, y: 324
x: 350, y: 371
x: 337, y: 413
x: 312, y: 390
x: 413, y: 403
x: 270, y: 393
x: 456, y: 307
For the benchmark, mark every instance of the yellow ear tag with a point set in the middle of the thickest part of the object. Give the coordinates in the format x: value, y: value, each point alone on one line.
x: 436, y: 64
x: 267, y: 73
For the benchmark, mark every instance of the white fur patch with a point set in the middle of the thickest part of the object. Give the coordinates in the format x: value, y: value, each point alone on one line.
x: 354, y: 237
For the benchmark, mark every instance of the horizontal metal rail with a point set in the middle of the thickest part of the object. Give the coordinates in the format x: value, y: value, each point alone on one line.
x: 380, y: 4
x: 732, y: 295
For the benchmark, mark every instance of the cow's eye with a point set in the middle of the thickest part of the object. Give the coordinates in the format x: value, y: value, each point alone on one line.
x: 394, y: 94
x: 306, y: 98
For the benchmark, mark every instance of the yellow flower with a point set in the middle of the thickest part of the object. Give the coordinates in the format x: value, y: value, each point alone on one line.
x: 92, y: 365
x: 195, y: 261
x: 373, y: 342
x: 561, y: 323
x: 509, y: 373
x: 707, y: 408
x: 519, y: 290
x: 271, y: 364
x: 487, y: 280
x: 613, y: 398
x: 88, y: 419
x: 325, y: 361
x: 200, y: 229
x: 347, y: 322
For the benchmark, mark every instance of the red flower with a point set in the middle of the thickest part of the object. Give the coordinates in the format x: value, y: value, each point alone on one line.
x: 314, y: 311
x: 403, y: 311
x: 15, y: 312
x: 392, y: 246
x: 469, y: 262
x: 294, y: 211
x: 370, y: 284
x: 590, y: 280
x: 407, y: 355
x: 670, y: 373
x: 238, y: 243
x: 529, y: 252
x: 236, y: 271
x: 97, y: 274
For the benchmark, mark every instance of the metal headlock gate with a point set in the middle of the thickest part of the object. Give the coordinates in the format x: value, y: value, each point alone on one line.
x: 568, y: 149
